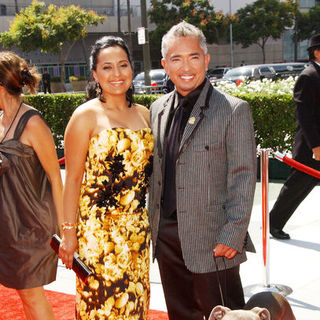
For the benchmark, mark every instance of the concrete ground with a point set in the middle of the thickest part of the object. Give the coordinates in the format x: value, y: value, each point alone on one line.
x: 293, y: 263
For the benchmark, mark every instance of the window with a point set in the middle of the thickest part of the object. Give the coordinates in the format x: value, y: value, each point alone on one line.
x: 265, y: 71
x: 3, y: 10
x: 307, y: 3
x: 158, y: 75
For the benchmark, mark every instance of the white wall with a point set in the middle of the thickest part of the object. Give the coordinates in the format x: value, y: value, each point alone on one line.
x: 224, y: 5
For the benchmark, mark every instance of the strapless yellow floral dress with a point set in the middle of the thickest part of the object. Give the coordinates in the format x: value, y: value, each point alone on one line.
x: 113, y: 228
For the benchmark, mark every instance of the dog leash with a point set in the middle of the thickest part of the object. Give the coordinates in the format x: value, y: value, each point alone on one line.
x: 218, y: 277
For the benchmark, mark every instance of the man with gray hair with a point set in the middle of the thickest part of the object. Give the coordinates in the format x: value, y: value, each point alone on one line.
x: 203, y: 183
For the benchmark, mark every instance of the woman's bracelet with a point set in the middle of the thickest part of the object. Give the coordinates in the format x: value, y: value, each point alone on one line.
x: 68, y: 225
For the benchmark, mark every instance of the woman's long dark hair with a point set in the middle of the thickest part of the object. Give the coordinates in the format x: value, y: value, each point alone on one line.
x: 102, y: 43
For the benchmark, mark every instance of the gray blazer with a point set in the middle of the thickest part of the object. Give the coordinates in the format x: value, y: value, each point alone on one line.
x: 215, y: 178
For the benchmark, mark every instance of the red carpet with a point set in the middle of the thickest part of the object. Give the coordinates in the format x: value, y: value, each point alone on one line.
x: 62, y: 304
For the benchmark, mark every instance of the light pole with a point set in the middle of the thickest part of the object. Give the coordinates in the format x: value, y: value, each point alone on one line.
x: 16, y: 6
x: 295, y: 31
x: 146, y: 47
x: 129, y: 25
x: 231, y: 45
x: 119, y: 16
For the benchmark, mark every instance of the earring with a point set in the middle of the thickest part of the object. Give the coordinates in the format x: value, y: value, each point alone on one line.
x: 99, y: 92
x: 98, y: 89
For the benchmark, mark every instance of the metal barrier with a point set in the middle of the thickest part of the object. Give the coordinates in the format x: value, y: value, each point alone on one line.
x: 264, y: 167
x: 266, y: 286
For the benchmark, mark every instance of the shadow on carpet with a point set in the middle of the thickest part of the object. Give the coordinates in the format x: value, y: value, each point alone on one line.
x: 62, y: 304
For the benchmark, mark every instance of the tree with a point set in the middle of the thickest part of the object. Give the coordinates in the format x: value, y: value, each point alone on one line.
x: 200, y: 13
x: 264, y: 19
x: 49, y: 29
x: 308, y: 23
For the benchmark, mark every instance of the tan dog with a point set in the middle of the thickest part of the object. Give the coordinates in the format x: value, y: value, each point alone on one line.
x: 276, y: 303
x: 261, y: 306
x: 224, y: 313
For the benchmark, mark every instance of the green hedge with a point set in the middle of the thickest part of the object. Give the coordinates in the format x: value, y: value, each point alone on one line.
x: 273, y: 115
x: 57, y: 110
x: 273, y: 119
x: 146, y: 100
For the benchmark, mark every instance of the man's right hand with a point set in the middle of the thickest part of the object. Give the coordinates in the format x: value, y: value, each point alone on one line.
x: 222, y: 250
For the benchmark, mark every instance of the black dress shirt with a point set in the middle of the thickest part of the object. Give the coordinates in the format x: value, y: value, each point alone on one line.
x: 175, y: 128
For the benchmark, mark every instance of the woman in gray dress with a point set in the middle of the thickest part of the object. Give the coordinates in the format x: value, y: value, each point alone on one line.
x: 30, y: 191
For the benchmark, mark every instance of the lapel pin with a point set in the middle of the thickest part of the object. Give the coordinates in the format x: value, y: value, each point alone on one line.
x: 192, y: 120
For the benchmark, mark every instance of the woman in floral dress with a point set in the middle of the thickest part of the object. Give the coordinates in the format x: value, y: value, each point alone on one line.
x: 108, y: 150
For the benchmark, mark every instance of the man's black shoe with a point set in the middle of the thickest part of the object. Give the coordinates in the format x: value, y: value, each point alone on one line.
x: 279, y: 234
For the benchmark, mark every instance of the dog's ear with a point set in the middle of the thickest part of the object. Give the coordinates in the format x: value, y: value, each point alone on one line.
x: 218, y: 313
x: 263, y: 313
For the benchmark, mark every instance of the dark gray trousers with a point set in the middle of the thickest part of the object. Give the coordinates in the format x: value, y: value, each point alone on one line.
x: 297, y: 186
x: 190, y: 296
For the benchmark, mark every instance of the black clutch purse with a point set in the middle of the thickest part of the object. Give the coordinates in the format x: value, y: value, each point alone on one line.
x: 78, y: 266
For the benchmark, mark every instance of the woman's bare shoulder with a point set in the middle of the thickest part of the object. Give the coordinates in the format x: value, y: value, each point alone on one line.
x: 35, y: 120
x: 143, y: 112
x: 84, y: 117
x: 36, y: 127
x: 142, y: 109
x: 86, y: 108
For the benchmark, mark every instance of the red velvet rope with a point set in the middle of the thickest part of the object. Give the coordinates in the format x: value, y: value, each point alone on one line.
x: 61, y: 161
x: 297, y: 165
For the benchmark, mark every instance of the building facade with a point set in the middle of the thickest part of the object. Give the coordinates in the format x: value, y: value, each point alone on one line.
x: 117, y: 24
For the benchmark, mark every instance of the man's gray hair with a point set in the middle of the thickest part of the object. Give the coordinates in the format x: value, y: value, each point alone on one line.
x: 183, y: 29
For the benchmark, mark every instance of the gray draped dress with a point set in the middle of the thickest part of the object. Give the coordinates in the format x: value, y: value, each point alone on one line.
x: 27, y: 215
